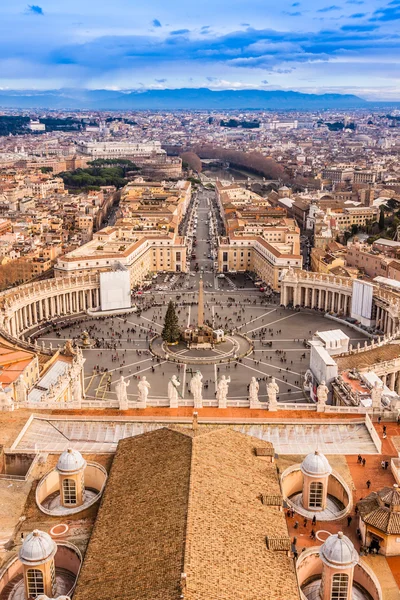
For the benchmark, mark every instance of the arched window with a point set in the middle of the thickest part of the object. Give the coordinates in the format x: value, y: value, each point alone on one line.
x: 316, y: 492
x: 35, y: 582
x: 340, y: 586
x: 69, y: 489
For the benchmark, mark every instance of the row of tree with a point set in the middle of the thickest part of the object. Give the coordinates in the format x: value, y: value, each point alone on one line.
x: 254, y: 162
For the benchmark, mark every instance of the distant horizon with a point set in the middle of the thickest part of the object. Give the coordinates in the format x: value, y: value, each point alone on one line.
x: 168, y: 99
x: 143, y: 90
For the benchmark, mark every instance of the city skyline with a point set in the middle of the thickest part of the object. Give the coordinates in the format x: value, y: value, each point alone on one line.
x: 348, y: 47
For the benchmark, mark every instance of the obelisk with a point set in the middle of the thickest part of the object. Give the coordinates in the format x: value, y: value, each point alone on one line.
x: 200, y: 318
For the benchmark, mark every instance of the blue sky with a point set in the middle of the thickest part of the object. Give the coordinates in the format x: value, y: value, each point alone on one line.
x: 350, y: 46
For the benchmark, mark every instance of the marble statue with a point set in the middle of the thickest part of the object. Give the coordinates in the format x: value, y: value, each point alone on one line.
x: 376, y: 395
x: 122, y: 395
x: 69, y: 349
x: 196, y: 388
x: 322, y: 394
x: 21, y: 390
x: 143, y: 390
x: 222, y: 391
x: 6, y: 400
x: 77, y: 390
x: 79, y: 360
x: 253, y: 393
x: 173, y: 391
x: 272, y: 392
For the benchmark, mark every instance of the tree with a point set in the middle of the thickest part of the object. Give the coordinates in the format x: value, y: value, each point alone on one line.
x: 171, y: 332
x: 382, y: 219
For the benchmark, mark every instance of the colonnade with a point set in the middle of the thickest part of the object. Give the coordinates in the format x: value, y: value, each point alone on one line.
x: 334, y: 294
x: 385, y: 321
x: 31, y: 304
x: 392, y: 379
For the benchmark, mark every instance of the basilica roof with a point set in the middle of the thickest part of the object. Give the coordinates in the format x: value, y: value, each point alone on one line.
x: 183, y: 516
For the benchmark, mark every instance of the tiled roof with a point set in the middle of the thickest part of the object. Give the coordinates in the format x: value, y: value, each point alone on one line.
x: 385, y: 520
x: 179, y: 501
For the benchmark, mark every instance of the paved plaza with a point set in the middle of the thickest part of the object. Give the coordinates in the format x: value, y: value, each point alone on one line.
x: 277, y: 334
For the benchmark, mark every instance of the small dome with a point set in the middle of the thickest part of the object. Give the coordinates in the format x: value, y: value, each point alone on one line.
x: 316, y: 465
x: 70, y: 461
x: 38, y: 548
x: 338, y: 551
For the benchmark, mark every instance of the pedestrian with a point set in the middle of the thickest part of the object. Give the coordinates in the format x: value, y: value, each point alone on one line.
x: 359, y: 459
x: 383, y: 464
x: 368, y: 484
x: 384, y: 429
x: 294, y: 541
x: 312, y: 534
x: 363, y: 462
x: 305, y: 522
x: 386, y: 464
x: 296, y: 525
x: 379, y: 420
x: 314, y: 521
x: 349, y: 520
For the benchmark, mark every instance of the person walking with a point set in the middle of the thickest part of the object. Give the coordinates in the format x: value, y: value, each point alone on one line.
x: 363, y: 462
x: 368, y: 484
x: 314, y: 521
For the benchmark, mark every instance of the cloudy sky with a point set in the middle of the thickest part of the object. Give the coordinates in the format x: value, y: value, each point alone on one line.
x: 352, y: 46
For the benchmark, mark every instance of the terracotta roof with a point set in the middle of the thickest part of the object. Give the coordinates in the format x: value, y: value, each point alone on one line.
x: 179, y: 501
x: 374, y: 510
x: 385, y: 520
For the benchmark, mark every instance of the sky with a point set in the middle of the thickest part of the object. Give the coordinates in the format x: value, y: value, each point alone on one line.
x: 352, y: 46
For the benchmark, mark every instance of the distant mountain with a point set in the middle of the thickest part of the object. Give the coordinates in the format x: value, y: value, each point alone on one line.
x: 185, y: 98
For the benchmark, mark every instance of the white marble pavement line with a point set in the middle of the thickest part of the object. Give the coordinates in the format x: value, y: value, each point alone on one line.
x: 136, y: 324
x: 150, y: 321
x: 283, y: 350
x: 273, y: 323
x: 256, y: 319
x: 123, y: 367
x: 284, y: 370
x: 277, y: 378
x: 141, y: 371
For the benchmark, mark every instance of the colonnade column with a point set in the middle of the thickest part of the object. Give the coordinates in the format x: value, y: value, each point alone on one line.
x: 392, y: 381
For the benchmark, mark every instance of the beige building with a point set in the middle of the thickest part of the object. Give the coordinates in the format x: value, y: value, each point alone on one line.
x: 141, y: 253
x: 369, y: 261
x: 265, y: 258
